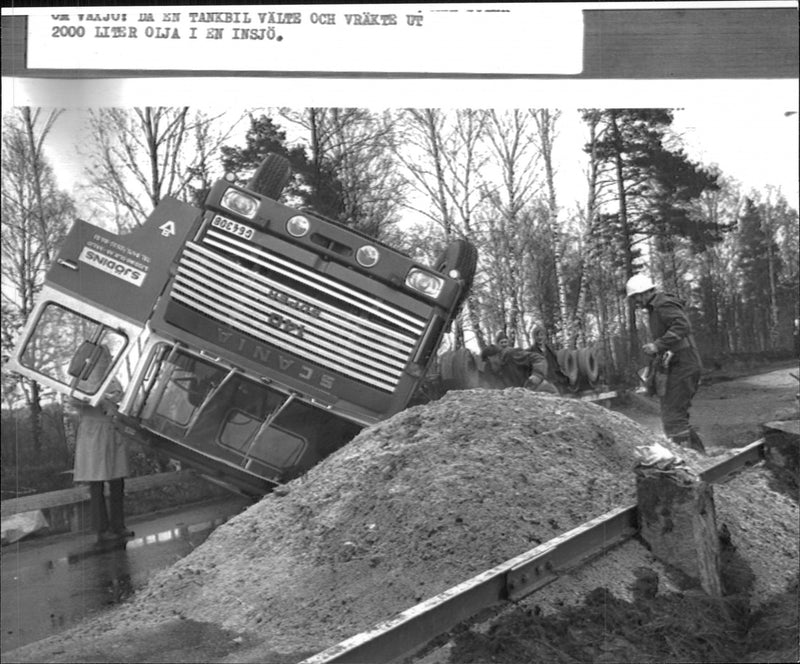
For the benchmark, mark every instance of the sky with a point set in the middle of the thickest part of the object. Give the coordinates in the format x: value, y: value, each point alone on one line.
x: 757, y: 145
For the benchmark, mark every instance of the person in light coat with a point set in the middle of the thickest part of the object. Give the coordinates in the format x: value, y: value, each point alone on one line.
x: 101, y: 457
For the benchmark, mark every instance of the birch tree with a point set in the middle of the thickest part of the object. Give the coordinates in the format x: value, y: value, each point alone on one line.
x: 36, y: 216
x: 442, y: 153
x: 350, y: 174
x: 137, y: 156
x: 546, y: 125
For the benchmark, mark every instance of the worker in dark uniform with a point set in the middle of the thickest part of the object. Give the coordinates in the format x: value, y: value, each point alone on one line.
x: 506, y: 366
x: 503, y: 366
x: 671, y: 332
x: 541, y: 368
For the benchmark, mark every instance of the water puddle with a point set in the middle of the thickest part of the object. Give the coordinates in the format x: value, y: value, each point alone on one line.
x: 47, y: 588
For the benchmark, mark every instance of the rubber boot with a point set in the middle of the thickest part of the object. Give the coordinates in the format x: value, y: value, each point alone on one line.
x: 116, y: 508
x: 97, y: 501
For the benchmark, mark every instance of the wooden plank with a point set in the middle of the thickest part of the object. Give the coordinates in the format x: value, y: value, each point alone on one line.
x: 598, y: 396
x: 78, y: 494
x: 746, y: 456
x: 786, y: 426
x: 40, y: 501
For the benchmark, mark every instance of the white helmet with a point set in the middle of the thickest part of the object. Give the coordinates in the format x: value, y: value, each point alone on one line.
x: 638, y: 283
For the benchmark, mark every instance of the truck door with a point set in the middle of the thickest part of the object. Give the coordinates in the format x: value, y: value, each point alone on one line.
x: 96, y: 300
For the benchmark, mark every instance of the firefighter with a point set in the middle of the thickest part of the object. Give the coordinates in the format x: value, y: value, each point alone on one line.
x: 671, y: 332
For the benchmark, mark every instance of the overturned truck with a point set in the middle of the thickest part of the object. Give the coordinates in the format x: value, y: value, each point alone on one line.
x: 251, y: 339
x: 570, y: 372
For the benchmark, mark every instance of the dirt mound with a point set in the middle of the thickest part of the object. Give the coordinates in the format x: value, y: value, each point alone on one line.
x: 627, y: 607
x: 411, y: 507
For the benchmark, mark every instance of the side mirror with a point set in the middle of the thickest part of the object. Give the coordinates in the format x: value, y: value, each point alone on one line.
x: 84, y: 360
x: 89, y: 366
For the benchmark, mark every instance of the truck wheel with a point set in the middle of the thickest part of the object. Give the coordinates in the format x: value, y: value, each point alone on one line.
x: 587, y: 364
x: 271, y: 176
x: 459, y: 261
x: 569, y: 365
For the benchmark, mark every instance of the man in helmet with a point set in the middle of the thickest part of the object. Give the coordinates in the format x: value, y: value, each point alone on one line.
x: 671, y: 332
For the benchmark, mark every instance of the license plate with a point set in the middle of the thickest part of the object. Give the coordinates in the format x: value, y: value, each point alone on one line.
x: 233, y: 227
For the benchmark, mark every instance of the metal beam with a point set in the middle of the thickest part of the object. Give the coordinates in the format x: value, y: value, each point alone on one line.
x: 407, y: 632
x: 746, y: 456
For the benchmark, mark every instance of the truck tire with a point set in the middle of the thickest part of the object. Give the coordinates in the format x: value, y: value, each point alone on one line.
x: 588, y: 366
x: 459, y: 370
x: 271, y: 176
x: 459, y: 261
x: 569, y: 365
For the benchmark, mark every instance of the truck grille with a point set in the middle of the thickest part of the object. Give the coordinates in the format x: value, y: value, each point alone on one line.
x: 284, y: 303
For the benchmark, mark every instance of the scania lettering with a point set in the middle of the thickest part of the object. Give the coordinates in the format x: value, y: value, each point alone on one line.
x: 259, y: 338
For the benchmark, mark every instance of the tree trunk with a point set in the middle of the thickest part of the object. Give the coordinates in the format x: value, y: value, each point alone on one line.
x: 546, y: 124
x: 626, y: 233
x: 774, y: 331
x: 36, y: 418
x: 35, y: 152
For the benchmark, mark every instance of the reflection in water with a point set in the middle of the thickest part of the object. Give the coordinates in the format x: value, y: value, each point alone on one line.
x: 45, y: 594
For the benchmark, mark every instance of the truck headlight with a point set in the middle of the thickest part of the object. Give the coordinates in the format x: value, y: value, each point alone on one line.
x: 367, y: 255
x: 242, y: 204
x: 424, y: 282
x: 298, y: 225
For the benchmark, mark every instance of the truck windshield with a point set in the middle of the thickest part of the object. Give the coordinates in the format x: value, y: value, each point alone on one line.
x: 220, y: 412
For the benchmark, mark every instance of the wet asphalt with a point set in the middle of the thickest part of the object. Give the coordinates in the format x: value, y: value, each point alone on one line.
x: 51, y: 583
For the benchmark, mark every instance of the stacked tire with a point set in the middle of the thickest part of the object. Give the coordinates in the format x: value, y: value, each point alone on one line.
x: 581, y: 367
x: 459, y: 370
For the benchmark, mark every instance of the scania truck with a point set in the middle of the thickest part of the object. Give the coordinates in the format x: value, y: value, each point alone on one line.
x: 251, y: 339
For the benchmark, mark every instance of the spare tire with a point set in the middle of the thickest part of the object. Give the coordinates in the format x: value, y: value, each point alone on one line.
x: 459, y: 370
x: 588, y: 366
x: 271, y: 176
x: 459, y: 261
x: 569, y: 365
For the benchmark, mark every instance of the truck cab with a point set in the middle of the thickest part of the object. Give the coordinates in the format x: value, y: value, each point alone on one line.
x: 251, y: 339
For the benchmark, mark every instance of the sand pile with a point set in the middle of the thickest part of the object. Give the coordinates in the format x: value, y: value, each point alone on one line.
x: 628, y: 607
x: 411, y: 507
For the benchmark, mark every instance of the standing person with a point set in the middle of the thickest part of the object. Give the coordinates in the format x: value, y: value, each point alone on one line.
x: 540, y: 367
x: 671, y: 332
x: 495, y: 364
x: 101, y: 456
x: 501, y: 340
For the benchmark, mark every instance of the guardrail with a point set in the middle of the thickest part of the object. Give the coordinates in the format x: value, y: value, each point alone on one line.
x: 79, y: 494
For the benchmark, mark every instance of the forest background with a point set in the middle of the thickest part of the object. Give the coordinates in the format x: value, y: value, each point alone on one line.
x: 417, y: 178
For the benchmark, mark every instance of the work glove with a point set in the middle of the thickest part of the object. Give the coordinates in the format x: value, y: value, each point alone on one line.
x: 650, y: 349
